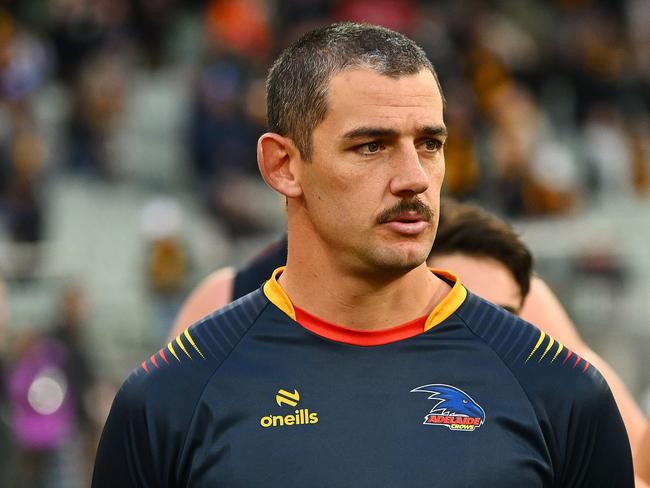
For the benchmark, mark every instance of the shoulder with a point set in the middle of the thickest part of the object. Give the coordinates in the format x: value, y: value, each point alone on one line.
x: 149, y: 420
x: 545, y: 367
x: 574, y: 406
x: 181, y: 368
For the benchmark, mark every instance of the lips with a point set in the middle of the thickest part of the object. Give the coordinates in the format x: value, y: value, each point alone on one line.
x: 408, y: 223
x: 408, y: 217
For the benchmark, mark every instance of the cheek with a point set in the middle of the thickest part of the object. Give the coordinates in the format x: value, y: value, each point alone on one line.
x: 436, y: 176
x: 438, y: 171
x: 339, y: 185
x: 329, y: 197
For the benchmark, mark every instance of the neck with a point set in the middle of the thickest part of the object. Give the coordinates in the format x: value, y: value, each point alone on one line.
x: 322, y: 286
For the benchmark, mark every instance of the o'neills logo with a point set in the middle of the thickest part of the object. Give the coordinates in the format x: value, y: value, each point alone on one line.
x: 300, y: 416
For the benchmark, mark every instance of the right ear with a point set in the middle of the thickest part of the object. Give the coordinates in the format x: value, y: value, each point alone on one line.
x: 277, y: 158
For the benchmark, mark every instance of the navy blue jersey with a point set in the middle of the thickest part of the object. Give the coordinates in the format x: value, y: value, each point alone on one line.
x: 250, y: 398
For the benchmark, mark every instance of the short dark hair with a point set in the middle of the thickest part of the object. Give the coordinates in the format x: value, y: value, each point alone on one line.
x: 296, y: 86
x: 466, y: 228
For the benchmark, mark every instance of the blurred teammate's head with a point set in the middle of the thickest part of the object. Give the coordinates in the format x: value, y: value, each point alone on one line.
x: 484, y: 251
x: 297, y: 84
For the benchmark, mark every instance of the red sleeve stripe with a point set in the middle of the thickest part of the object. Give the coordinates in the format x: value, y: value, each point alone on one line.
x: 578, y: 358
x: 586, y: 366
x: 153, y: 360
x: 162, y: 355
x: 569, y: 354
x: 144, y: 366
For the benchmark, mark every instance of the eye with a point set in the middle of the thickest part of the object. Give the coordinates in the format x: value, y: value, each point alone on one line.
x: 433, y: 145
x: 464, y: 401
x: 370, y: 148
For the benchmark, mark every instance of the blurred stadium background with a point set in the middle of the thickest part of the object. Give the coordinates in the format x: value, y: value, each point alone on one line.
x: 128, y: 171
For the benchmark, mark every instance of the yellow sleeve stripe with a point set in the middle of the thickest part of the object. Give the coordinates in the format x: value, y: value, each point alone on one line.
x: 170, y: 346
x: 191, y: 341
x: 559, y: 349
x: 551, y: 341
x: 182, y: 346
x: 542, y: 335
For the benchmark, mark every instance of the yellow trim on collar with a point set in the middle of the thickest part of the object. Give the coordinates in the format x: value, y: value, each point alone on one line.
x: 276, y: 294
x: 443, y: 310
x: 450, y: 303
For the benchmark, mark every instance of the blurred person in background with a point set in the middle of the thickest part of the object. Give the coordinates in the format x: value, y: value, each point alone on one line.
x: 42, y: 409
x: 536, y: 173
x: 167, y: 261
x: 7, y: 443
x: 227, y: 112
x: 79, y: 29
x: 23, y: 68
x: 97, y: 106
x: 50, y: 384
x: 612, y: 154
x: 69, y: 330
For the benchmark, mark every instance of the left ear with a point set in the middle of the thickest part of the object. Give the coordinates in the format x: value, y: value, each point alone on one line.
x: 276, y: 158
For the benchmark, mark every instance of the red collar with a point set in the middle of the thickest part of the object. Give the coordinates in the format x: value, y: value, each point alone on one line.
x: 359, y: 337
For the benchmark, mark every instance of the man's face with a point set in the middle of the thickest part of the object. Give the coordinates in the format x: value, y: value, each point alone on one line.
x: 485, y: 277
x: 371, y: 191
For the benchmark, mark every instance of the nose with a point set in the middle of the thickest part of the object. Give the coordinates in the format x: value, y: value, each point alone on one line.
x: 410, y: 177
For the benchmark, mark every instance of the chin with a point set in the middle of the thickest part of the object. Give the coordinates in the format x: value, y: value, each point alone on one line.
x: 402, y: 260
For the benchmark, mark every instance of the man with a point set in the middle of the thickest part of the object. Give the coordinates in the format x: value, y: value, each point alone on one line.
x: 356, y: 365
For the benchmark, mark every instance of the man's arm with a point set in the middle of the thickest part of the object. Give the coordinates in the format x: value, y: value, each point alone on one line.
x: 211, y: 294
x: 544, y: 310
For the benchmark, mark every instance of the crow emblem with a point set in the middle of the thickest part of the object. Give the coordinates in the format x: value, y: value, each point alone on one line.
x: 453, y: 408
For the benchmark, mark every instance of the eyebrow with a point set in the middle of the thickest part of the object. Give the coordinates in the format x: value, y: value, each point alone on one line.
x: 370, y: 132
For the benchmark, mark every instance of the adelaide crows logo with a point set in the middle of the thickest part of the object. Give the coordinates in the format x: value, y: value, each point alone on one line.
x: 453, y: 408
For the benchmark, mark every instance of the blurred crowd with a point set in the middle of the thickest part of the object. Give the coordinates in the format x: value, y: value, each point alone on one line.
x: 548, y: 108
x: 547, y: 102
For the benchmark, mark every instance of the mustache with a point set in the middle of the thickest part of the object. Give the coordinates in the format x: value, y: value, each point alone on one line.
x: 414, y: 205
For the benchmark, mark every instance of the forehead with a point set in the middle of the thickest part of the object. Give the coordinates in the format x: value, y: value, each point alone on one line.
x: 365, y: 97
